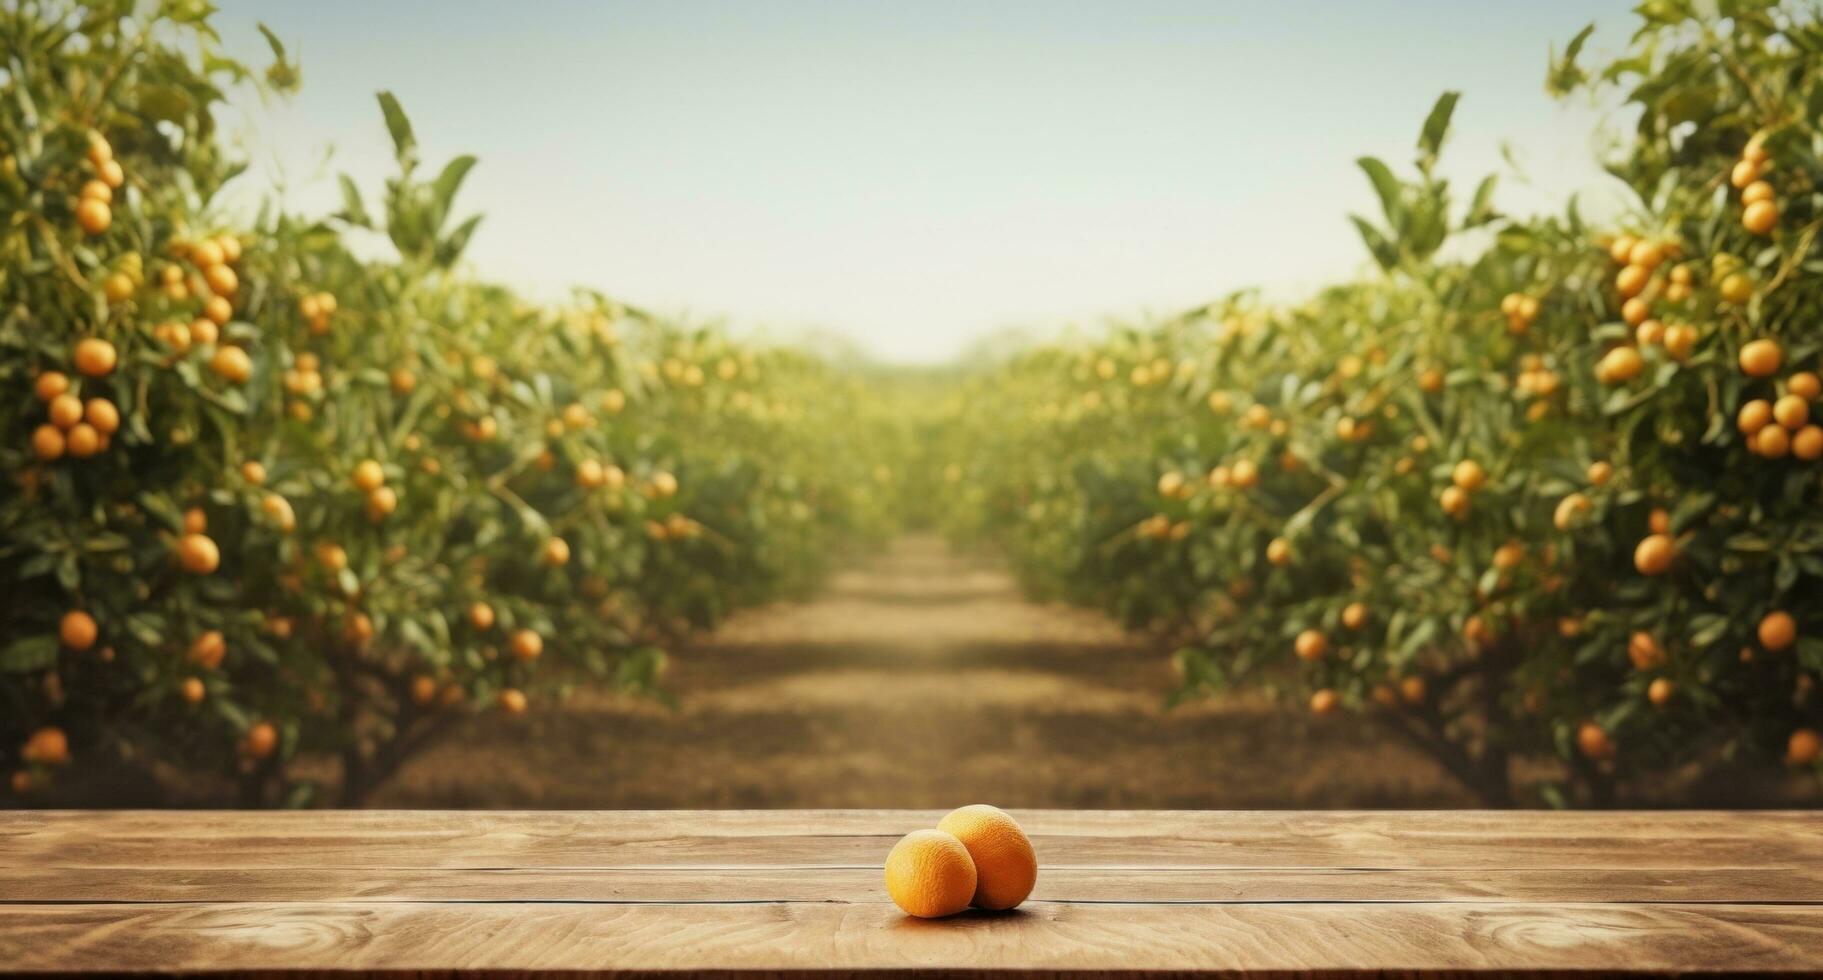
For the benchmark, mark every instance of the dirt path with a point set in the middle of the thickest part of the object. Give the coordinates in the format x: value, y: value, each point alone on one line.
x: 922, y: 680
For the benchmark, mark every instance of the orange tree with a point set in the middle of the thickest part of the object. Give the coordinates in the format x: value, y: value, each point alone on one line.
x: 267, y: 500
x: 1558, y: 499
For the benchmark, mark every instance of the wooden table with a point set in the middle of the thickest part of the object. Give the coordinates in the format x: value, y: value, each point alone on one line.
x: 797, y: 891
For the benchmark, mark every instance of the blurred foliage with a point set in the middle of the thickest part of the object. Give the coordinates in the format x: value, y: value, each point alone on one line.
x: 1559, y: 498
x: 274, y: 501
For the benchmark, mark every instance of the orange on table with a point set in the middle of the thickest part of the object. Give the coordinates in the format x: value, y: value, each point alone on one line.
x: 930, y: 874
x: 1005, y: 865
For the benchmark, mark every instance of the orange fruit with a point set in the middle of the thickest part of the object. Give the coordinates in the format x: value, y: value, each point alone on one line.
x: 1311, y: 645
x: 94, y: 357
x: 1244, y: 474
x: 1005, y: 865
x: 1777, y: 630
x: 1807, y: 444
x: 1646, y: 254
x: 526, y: 644
x: 1772, y: 442
x: 196, y: 521
x: 1659, y: 521
x: 192, y: 690
x: 423, y: 689
x: 279, y: 510
x: 83, y: 440
x: 1805, y: 385
x: 77, y: 630
x: 1592, y: 740
x: 198, y: 554
x: 1760, y: 217
x: 1737, y: 287
x: 332, y: 556
x: 1680, y: 340
x: 261, y: 740
x: 556, y: 552
x: 1278, y: 551
x: 1631, y: 280
x: 1744, y: 173
x: 1759, y: 190
x: 1753, y: 416
x: 1570, y: 510
x: 481, y: 616
x: 930, y: 874
x: 1761, y: 358
x: 47, y: 746
x: 232, y: 364
x: 1643, y: 650
x: 48, y: 442
x: 1635, y: 311
x: 368, y: 476
x: 207, y: 650
x: 1618, y: 366
x: 94, y: 216
x: 1600, y: 472
x: 1621, y: 249
x: 102, y: 414
x: 1804, y: 747
x: 1659, y: 692
x: 1412, y: 690
x: 511, y: 700
x: 65, y: 410
x: 1455, y: 501
x: 1325, y: 702
x: 218, y: 311
x: 118, y: 288
x: 1469, y: 475
x: 1654, y: 554
x: 1354, y: 615
x: 1791, y: 411
x: 221, y: 279
x: 381, y: 502
x: 253, y: 472
x: 50, y: 384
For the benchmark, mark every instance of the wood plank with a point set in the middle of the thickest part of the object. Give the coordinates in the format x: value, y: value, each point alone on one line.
x: 863, y: 884
x: 1339, y: 939
x: 1467, y: 840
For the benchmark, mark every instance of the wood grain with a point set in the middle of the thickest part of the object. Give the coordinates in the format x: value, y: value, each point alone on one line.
x: 863, y: 884
x: 804, y: 838
x: 784, y: 937
x: 790, y: 893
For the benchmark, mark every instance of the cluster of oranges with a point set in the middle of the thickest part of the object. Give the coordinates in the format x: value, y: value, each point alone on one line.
x: 1466, y: 477
x: 75, y: 427
x: 1640, y: 286
x: 1775, y: 429
x: 94, y: 205
x: 43, y: 748
x: 978, y: 855
x: 1759, y: 204
x: 1520, y: 311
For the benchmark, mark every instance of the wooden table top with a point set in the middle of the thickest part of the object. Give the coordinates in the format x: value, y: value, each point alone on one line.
x: 795, y: 891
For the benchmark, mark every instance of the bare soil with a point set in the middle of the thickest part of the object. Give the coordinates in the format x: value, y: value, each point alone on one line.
x: 920, y: 680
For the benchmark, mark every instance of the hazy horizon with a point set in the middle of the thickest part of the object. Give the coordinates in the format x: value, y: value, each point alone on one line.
x: 917, y: 179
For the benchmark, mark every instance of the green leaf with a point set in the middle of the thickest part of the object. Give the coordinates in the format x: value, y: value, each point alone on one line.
x: 28, y: 654
x: 1383, y: 251
x: 353, y: 210
x: 1388, y: 188
x: 1436, y: 126
x: 1564, y: 76
x: 443, y: 189
x: 405, y: 145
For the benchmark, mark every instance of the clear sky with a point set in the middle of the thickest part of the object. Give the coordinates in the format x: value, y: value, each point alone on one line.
x: 918, y: 174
